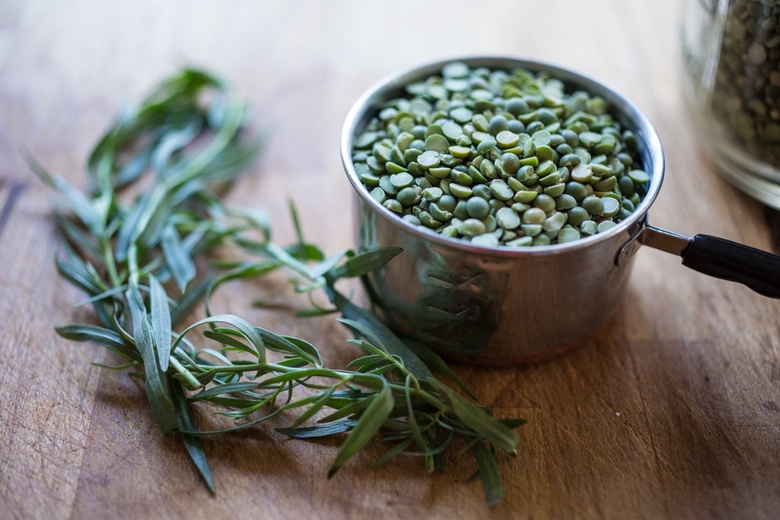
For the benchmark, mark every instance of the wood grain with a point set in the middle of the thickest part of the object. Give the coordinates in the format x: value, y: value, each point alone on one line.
x: 671, y: 411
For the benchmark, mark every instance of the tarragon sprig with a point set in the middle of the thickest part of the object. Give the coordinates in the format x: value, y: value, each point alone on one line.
x: 141, y: 259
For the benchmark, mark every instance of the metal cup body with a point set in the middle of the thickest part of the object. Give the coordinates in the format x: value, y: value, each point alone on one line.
x: 496, y: 305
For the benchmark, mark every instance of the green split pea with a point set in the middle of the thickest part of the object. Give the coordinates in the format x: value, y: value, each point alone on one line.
x: 501, y: 157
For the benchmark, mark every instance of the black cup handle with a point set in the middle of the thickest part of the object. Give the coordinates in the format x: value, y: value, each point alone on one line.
x: 735, y: 262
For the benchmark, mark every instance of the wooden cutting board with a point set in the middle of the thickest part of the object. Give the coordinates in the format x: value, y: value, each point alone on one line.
x: 670, y: 411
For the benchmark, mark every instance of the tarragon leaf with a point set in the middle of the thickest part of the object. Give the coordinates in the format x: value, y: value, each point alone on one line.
x: 173, y: 141
x: 320, y: 430
x: 78, y: 274
x: 353, y: 407
x: 177, y: 258
x: 156, y: 382
x: 189, y: 299
x: 326, y: 265
x: 229, y: 340
x: 369, y: 423
x: 78, y: 202
x: 488, y: 474
x: 435, y: 362
x: 364, y: 263
x: 193, y: 443
x: 129, y: 229
x: 475, y: 418
x: 100, y: 336
x: 391, y: 342
x: 290, y: 345
x: 161, y: 321
x: 228, y: 388
x: 393, y: 452
x: 133, y: 169
x: 243, y: 327
x: 316, y: 406
x: 76, y: 235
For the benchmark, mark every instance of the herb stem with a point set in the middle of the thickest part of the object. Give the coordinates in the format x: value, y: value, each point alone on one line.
x: 186, y: 374
x: 110, y: 263
x: 296, y: 265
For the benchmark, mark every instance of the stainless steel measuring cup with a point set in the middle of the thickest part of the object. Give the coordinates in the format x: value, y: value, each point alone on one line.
x: 499, y: 305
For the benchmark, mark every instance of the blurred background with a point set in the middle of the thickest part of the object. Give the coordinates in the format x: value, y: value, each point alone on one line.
x: 670, y: 411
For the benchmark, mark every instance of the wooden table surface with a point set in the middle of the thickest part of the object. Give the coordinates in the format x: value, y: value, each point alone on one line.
x: 671, y: 411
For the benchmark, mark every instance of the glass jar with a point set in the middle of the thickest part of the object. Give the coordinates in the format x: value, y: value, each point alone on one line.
x: 731, y: 52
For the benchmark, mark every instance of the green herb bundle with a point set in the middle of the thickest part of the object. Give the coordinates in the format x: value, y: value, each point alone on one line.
x: 140, y: 242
